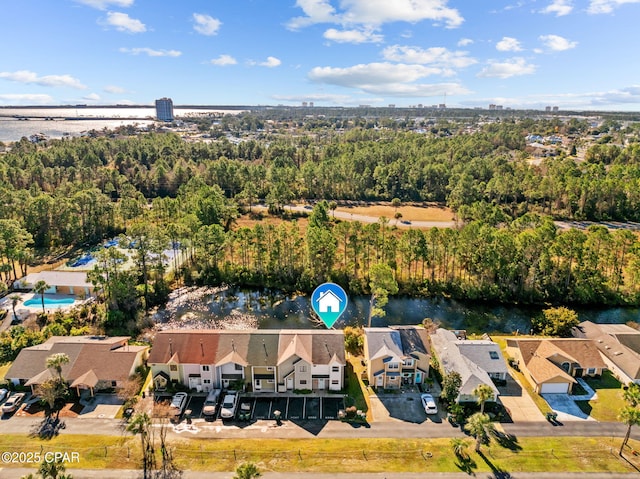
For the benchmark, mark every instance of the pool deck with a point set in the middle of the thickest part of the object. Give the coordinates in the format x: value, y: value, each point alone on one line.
x: 23, y: 311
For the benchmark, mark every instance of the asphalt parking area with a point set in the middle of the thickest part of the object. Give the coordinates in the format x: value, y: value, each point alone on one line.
x: 280, y: 404
x: 403, y: 407
x: 331, y: 406
x: 312, y: 408
x: 262, y: 409
x: 296, y: 408
x: 565, y: 407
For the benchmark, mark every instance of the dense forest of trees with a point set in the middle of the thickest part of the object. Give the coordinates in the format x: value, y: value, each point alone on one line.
x: 163, y: 190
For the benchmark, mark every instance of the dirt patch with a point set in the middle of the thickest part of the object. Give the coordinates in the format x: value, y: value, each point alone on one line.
x: 408, y: 212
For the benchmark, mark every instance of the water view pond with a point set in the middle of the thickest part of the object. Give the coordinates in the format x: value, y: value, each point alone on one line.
x: 232, y: 308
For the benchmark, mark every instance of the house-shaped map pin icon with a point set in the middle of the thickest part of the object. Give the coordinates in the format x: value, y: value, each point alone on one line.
x: 329, y: 301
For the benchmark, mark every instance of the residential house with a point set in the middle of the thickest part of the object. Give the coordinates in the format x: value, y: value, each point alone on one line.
x: 267, y: 360
x: 551, y: 365
x: 477, y: 361
x: 95, y: 362
x: 396, y: 356
x: 60, y: 282
x: 619, y: 346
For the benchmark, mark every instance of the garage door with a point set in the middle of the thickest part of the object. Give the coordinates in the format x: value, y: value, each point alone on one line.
x: 554, y: 388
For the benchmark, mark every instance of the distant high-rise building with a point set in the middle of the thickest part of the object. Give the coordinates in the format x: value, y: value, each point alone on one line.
x: 164, y: 109
x: 555, y: 109
x: 547, y: 108
x: 311, y: 104
x: 304, y: 104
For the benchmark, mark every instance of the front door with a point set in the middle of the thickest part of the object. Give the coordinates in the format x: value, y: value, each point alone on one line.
x: 257, y: 384
x: 289, y: 384
x: 321, y: 383
x: 418, y: 377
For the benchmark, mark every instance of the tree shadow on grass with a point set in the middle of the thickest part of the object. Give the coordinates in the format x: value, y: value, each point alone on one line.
x: 466, y: 464
x: 508, y: 441
x: 498, y: 472
x: 48, y: 428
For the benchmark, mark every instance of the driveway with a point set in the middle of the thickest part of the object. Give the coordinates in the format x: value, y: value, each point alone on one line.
x: 565, y: 406
x: 405, y: 407
x: 518, y: 403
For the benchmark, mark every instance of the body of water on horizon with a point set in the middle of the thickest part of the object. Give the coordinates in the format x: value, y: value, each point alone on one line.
x: 72, y: 121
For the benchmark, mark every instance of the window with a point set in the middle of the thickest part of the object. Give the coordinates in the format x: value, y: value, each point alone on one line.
x: 205, y: 368
x: 335, y: 381
x: 591, y: 371
x: 335, y: 369
x: 269, y: 368
x: 302, y: 368
x: 173, y: 367
x: 303, y: 382
x: 238, y: 367
x: 113, y: 384
x: 392, y: 366
x: 206, y: 381
x: 494, y: 355
x: 269, y: 381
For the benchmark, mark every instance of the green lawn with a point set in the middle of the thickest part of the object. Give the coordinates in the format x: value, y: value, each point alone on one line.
x: 609, y: 400
x: 354, y: 388
x: 574, y: 454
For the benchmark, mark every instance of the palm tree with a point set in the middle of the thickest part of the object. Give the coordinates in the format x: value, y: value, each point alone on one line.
x: 15, y: 299
x: 248, y: 470
x: 39, y: 288
x: 483, y: 393
x: 459, y: 446
x: 479, y: 426
x: 56, y: 361
x: 631, y: 417
x: 141, y: 424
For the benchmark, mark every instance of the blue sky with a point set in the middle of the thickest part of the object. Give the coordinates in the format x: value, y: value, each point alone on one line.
x: 576, y: 54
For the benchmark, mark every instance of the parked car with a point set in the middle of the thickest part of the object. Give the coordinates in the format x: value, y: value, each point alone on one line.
x: 429, y: 404
x: 3, y: 393
x: 210, y: 407
x: 229, y: 405
x: 178, y: 402
x: 12, y: 404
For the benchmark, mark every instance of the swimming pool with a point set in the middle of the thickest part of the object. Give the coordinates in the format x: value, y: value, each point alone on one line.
x: 50, y: 302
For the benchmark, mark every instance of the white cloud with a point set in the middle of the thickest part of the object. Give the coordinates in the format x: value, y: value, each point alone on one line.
x: 463, y: 42
x: 508, y: 44
x: 557, y: 43
x: 206, y: 24
x: 151, y: 52
x: 91, y: 97
x: 316, y: 11
x: 124, y: 23
x: 114, y: 89
x: 607, y: 6
x: 438, y: 56
x: 559, y: 7
x: 26, y: 98
x: 104, y: 4
x: 353, y: 36
x: 29, y: 77
x: 376, y: 12
x: 507, y: 69
x: 223, y: 60
x: 271, y: 62
x: 386, y: 79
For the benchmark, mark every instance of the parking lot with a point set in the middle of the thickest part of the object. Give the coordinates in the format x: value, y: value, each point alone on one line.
x: 263, y: 407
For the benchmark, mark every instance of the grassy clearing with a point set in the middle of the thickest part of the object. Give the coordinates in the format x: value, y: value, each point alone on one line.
x: 609, y: 400
x: 342, y: 455
x: 408, y: 212
x: 355, y: 388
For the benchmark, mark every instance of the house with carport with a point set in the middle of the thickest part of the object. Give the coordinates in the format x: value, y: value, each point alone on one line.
x: 73, y: 283
x: 96, y: 363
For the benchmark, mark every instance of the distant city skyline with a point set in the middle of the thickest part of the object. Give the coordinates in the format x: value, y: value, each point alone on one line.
x: 520, y: 54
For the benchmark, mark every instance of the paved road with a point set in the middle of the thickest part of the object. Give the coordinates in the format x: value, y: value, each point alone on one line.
x: 326, y: 429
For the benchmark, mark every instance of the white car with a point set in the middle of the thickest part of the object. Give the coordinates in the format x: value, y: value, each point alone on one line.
x: 12, y: 404
x: 229, y: 405
x: 210, y: 407
x: 429, y: 404
x: 3, y: 393
x: 178, y: 402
